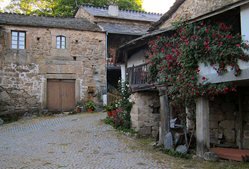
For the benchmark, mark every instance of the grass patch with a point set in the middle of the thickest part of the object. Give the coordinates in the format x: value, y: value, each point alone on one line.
x: 177, y: 154
x: 109, y: 121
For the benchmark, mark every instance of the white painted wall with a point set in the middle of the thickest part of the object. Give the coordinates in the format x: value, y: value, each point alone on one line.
x: 123, y: 73
x: 211, y: 74
x: 244, y: 14
x: 136, y: 59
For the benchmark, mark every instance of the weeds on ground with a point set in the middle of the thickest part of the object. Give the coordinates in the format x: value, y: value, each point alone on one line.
x: 177, y: 154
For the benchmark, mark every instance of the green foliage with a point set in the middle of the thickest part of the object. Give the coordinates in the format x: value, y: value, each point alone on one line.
x: 65, y: 7
x: 109, y: 121
x: 174, y: 60
x: 119, y: 112
x: 90, y: 105
x: 177, y: 154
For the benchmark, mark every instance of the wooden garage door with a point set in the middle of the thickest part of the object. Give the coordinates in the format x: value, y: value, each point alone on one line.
x: 61, y: 95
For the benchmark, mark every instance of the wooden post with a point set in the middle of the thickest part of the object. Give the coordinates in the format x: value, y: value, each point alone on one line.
x: 202, y: 126
x: 164, y: 114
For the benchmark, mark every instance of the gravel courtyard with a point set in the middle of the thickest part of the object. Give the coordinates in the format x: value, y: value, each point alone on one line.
x: 83, y: 141
x: 75, y: 142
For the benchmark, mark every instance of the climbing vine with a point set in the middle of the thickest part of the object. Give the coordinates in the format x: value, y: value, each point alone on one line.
x: 174, y: 59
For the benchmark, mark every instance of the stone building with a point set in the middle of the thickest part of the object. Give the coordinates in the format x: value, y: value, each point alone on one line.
x: 121, y: 26
x: 220, y: 122
x: 50, y: 63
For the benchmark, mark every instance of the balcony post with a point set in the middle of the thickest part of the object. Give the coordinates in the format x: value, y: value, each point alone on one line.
x: 164, y: 113
x: 202, y: 126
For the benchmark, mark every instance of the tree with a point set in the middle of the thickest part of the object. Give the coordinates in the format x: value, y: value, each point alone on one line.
x: 65, y: 7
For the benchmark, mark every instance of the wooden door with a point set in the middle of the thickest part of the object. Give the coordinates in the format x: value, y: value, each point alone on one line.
x: 67, y: 95
x: 60, y: 95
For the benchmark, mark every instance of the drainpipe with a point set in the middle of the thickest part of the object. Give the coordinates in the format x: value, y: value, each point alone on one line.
x: 106, y: 68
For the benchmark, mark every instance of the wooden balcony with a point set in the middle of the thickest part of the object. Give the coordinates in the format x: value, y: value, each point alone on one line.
x: 138, y: 77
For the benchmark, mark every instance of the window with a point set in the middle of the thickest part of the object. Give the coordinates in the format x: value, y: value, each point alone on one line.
x: 18, y: 40
x: 60, y: 42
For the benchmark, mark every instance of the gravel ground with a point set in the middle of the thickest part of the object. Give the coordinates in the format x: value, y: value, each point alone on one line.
x: 74, y: 142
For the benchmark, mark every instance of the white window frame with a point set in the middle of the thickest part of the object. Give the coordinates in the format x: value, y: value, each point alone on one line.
x: 60, y: 42
x: 18, y: 39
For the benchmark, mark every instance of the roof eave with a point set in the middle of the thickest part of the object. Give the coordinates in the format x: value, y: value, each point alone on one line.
x: 126, y: 19
x: 58, y: 27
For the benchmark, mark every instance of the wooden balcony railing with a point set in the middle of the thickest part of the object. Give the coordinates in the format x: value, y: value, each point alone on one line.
x: 138, y: 75
x: 113, y: 98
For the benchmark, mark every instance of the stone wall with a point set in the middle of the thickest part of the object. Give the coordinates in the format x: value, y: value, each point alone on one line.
x: 20, y: 88
x: 224, y: 113
x: 24, y: 73
x: 245, y: 116
x: 193, y: 8
x: 145, y: 115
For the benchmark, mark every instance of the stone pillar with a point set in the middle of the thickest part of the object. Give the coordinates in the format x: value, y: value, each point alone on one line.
x: 164, y: 114
x: 202, y: 126
x: 77, y: 90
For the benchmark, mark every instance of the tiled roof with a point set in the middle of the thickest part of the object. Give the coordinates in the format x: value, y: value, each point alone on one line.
x: 50, y: 22
x: 123, y: 14
x: 124, y: 28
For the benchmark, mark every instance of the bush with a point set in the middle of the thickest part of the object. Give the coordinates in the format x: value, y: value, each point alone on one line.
x: 119, y: 112
x: 90, y: 105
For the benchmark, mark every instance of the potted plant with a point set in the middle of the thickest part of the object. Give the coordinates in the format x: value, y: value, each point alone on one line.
x: 79, y: 107
x: 90, y: 106
x: 108, y: 109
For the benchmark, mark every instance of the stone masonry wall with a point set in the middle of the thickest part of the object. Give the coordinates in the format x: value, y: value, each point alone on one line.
x: 223, y: 120
x: 20, y: 88
x: 145, y: 114
x: 24, y: 73
x: 193, y: 8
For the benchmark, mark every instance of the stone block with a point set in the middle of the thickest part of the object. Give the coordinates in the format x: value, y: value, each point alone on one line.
x: 213, y: 124
x: 217, y: 116
x: 229, y: 135
x: 227, y: 124
x: 145, y: 131
x: 246, y: 134
x: 4, y: 96
x: 246, y: 143
x: 210, y: 156
x: 182, y: 149
x: 154, y: 134
x: 228, y: 108
x: 1, y: 121
x: 31, y: 101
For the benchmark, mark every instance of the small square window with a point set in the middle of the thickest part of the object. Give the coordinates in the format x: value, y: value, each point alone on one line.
x: 18, y: 40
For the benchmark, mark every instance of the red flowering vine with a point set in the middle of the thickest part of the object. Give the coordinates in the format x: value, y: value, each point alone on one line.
x: 174, y: 60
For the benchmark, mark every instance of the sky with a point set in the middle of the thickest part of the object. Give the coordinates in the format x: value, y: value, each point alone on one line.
x: 158, y: 6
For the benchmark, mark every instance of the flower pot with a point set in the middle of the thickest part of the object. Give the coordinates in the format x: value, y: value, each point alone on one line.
x: 90, y: 110
x: 109, y: 113
x: 78, y: 109
x: 114, y: 113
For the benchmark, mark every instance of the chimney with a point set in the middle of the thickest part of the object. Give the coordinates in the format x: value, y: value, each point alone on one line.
x: 113, y: 10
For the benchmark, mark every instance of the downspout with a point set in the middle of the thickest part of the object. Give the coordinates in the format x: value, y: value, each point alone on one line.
x: 105, y: 100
